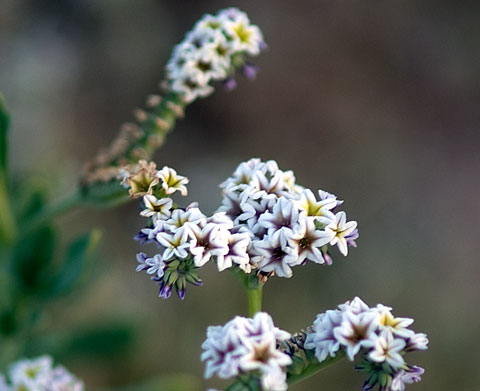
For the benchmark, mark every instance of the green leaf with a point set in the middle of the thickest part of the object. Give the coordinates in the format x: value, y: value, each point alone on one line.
x: 32, y: 256
x: 4, y: 124
x: 101, y: 341
x: 31, y: 198
x: 73, y: 269
x: 107, y: 340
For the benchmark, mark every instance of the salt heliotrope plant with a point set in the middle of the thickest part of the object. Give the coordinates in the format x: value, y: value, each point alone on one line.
x: 266, y: 225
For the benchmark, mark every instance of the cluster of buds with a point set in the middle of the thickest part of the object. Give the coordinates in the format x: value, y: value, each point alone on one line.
x: 374, y: 334
x: 39, y: 375
x: 212, y: 51
x: 247, y: 348
x: 287, y: 224
x: 267, y: 224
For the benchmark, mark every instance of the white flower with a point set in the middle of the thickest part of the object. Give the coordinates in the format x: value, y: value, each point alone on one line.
x: 417, y: 341
x: 398, y: 326
x: 246, y: 37
x: 271, y: 256
x: 262, y: 324
x: 308, y: 239
x: 321, y: 210
x: 237, y: 253
x: 176, y: 245
x: 322, y: 338
x: 355, y: 331
x: 265, y: 183
x: 207, y: 242
x: 340, y: 230
x: 182, y: 59
x: 222, y: 352
x: 153, y: 265
x: 413, y: 374
x: 171, y: 182
x: 190, y: 88
x: 263, y: 354
x: 27, y: 372
x: 186, y: 221
x: 157, y: 208
x: 282, y: 223
x: 355, y: 306
x: 387, y: 348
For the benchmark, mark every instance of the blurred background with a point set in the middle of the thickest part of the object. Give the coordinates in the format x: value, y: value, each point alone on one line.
x: 377, y: 102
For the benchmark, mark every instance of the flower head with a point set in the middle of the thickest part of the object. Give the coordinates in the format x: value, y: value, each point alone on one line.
x: 247, y: 345
x: 372, y: 333
x: 212, y: 51
x: 39, y: 374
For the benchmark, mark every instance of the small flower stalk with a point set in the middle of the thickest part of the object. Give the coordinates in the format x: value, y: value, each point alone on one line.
x: 39, y: 374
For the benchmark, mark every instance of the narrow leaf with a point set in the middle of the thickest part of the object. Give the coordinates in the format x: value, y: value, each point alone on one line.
x: 4, y: 123
x: 79, y: 256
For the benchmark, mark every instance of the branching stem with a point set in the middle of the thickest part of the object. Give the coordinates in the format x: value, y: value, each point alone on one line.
x: 314, y: 368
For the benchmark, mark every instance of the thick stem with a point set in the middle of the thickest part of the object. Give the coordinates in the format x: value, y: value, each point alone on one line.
x: 8, y: 225
x: 314, y: 368
x: 254, y: 299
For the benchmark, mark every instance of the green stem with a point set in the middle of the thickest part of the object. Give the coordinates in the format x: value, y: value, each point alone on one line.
x: 254, y: 299
x: 314, y: 368
x: 8, y: 225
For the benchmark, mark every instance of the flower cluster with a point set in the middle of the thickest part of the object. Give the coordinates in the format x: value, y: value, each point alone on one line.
x: 247, y: 347
x: 287, y: 224
x: 267, y: 223
x: 39, y: 374
x: 380, y: 338
x: 211, y: 51
x: 187, y: 238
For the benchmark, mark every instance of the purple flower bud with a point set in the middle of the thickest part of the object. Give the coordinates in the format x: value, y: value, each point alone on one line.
x: 142, y: 238
x: 327, y: 258
x: 165, y: 290
x: 250, y: 71
x: 263, y: 45
x: 229, y: 84
x: 181, y: 292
